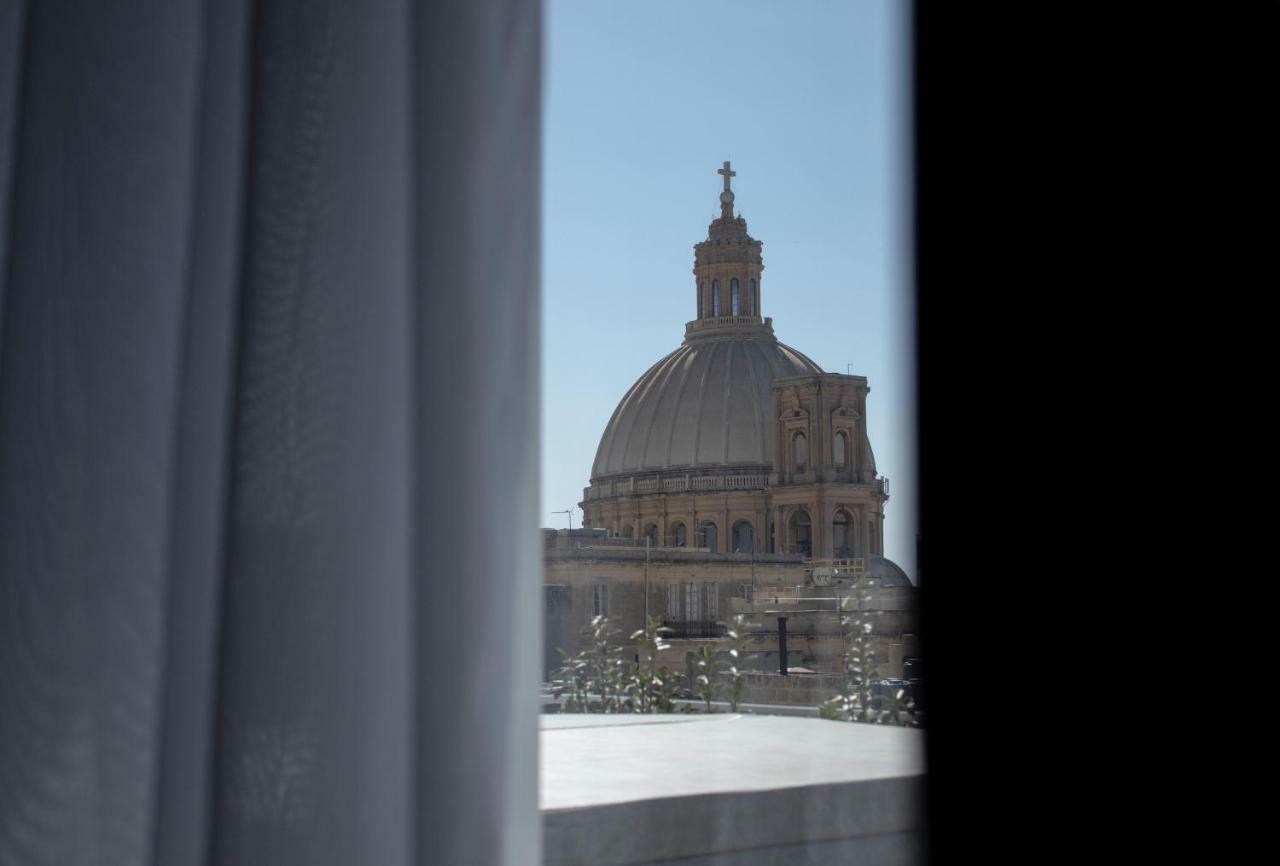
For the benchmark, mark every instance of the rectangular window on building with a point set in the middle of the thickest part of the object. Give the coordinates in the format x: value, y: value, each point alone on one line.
x: 558, y: 598
x: 691, y: 592
x: 713, y: 601
x: 673, y: 602
x: 600, y: 599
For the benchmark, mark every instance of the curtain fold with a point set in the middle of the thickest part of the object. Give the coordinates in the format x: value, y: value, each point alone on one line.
x: 269, y: 566
x: 203, y: 427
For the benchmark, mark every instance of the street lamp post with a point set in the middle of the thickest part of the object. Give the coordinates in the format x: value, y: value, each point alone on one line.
x: 646, y: 587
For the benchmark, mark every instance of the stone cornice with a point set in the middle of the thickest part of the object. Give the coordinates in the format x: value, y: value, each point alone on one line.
x: 588, y: 553
x: 701, y: 482
x: 728, y: 326
x: 817, y: 378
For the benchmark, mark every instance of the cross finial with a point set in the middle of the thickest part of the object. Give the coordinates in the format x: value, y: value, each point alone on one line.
x: 727, y: 174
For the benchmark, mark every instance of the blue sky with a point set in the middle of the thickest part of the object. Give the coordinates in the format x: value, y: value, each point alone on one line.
x: 643, y: 102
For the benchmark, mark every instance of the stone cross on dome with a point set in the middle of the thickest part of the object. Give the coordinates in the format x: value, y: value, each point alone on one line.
x: 727, y: 174
x: 726, y: 197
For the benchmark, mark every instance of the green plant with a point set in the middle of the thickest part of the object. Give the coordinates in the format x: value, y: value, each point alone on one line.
x: 708, y: 672
x: 608, y: 668
x: 651, y: 687
x: 595, y: 679
x: 598, y: 680
x: 860, y: 700
x: 736, y: 630
x: 571, y: 679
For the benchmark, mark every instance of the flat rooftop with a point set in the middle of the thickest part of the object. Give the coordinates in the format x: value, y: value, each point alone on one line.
x: 729, y: 790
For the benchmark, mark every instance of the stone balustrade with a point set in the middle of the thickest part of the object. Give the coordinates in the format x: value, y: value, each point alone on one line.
x: 676, y: 484
x: 720, y: 322
x: 682, y: 483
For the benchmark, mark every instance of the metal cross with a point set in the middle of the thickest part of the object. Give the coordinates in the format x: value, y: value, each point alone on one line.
x: 727, y: 174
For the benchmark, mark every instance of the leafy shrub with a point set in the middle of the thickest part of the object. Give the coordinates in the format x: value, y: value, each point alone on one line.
x: 653, y: 687
x: 598, y: 680
x: 708, y: 672
x: 736, y: 629
x: 860, y: 700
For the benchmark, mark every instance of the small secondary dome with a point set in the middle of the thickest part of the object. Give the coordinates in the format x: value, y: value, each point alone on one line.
x: 887, y: 572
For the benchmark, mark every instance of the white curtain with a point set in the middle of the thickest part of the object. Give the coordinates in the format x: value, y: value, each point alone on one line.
x: 268, y: 280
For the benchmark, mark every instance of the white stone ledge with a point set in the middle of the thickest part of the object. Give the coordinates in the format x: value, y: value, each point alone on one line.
x: 728, y: 790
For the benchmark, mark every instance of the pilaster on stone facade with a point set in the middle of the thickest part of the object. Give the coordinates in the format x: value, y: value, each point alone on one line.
x: 821, y: 522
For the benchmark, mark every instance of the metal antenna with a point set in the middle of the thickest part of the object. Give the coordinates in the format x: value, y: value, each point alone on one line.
x: 568, y: 511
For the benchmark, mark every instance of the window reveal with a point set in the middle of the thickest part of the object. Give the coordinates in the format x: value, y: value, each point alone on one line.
x: 600, y: 599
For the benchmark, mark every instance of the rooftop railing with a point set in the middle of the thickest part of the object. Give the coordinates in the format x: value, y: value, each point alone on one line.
x: 682, y: 630
x: 676, y: 484
x: 680, y: 483
x: 713, y: 322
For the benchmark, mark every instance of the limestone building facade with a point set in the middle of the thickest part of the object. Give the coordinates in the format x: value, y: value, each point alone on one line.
x: 734, y: 471
x: 735, y: 441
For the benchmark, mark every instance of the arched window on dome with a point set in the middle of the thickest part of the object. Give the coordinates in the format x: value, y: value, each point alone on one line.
x: 651, y: 533
x: 702, y: 287
x: 873, y: 541
x: 735, y: 302
x: 628, y: 531
x: 773, y: 538
x: 800, y: 530
x: 799, y: 452
x: 751, y: 299
x: 715, y: 298
x: 744, y: 537
x: 842, y: 535
x: 707, y: 536
x: 679, y: 535
x: 838, y: 449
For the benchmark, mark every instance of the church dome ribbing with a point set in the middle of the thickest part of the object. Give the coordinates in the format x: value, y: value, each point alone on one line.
x: 736, y: 443
x: 708, y: 404
x: 705, y: 405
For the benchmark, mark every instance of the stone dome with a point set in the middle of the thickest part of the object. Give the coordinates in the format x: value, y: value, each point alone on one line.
x: 705, y: 405
x: 887, y: 572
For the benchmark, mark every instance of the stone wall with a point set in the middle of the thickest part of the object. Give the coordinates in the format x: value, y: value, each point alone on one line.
x: 807, y: 690
x: 576, y: 562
